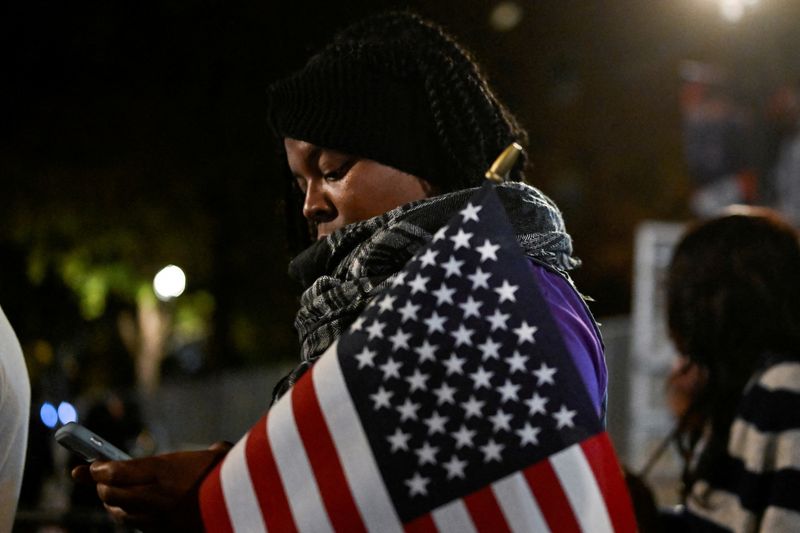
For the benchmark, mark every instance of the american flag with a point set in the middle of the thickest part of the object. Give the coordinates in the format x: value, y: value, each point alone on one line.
x: 450, y: 405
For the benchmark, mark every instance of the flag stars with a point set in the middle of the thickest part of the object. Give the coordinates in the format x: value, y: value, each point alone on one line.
x: 439, y: 235
x: 436, y: 423
x: 470, y: 212
x: 481, y: 377
x: 506, y: 292
x: 528, y: 435
x: 428, y: 258
x: 480, y: 279
x: 399, y: 440
x: 454, y: 364
x: 492, y: 451
x: 358, y: 324
x: 452, y: 267
x: 365, y: 357
x: 417, y: 380
x: 391, y: 369
x: 381, y: 399
x: 444, y: 294
x: 426, y: 352
x: 387, y: 303
x: 473, y: 407
x: 445, y: 394
x: 498, y: 320
x: 544, y: 374
x: 418, y: 284
x: 400, y: 339
x: 461, y: 239
x: 516, y: 363
x: 501, y: 421
x: 399, y: 279
x: 470, y: 307
x: 409, y: 311
x: 463, y: 437
x: 417, y: 485
x: 488, y: 251
x: 489, y: 349
x: 525, y: 332
x: 508, y: 391
x: 462, y: 335
x: 426, y: 454
x: 435, y: 322
x: 564, y: 417
x: 408, y: 410
x: 455, y: 467
x: 375, y: 330
x: 536, y: 404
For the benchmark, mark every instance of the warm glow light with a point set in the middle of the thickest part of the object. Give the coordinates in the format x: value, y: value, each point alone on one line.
x: 169, y: 283
x: 505, y: 16
x: 732, y: 10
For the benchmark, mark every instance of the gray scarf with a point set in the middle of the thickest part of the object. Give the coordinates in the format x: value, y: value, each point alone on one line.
x: 344, y: 271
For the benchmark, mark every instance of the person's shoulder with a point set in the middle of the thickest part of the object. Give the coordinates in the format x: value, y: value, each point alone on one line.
x: 781, y: 374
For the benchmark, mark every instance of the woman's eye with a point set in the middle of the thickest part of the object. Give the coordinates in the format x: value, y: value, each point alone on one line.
x: 339, y: 172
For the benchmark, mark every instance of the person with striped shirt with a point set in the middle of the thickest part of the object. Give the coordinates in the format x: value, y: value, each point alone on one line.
x: 733, y: 307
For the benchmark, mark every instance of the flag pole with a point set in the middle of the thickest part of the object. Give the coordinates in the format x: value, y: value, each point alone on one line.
x: 499, y: 170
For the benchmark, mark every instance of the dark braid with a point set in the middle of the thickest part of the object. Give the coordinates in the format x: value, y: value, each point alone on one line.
x: 439, y: 119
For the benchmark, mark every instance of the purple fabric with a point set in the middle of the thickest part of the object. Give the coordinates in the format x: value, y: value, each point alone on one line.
x: 578, y: 330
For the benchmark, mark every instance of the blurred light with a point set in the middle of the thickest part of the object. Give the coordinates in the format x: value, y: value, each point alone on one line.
x: 67, y: 413
x: 732, y: 10
x: 505, y: 16
x: 48, y: 415
x: 170, y: 282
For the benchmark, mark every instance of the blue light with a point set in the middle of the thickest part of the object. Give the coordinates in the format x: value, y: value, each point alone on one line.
x: 67, y: 413
x: 48, y: 415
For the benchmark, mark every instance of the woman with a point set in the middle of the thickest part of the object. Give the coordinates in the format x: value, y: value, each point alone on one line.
x: 734, y: 313
x: 387, y: 131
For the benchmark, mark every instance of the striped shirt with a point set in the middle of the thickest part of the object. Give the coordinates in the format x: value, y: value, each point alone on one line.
x: 758, y: 486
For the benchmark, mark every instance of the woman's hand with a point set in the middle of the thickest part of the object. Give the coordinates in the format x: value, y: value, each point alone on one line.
x: 154, y: 493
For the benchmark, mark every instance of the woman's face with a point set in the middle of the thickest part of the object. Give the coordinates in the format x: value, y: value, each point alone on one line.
x: 341, y: 189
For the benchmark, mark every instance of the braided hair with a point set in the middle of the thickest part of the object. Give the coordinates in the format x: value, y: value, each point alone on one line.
x: 399, y: 90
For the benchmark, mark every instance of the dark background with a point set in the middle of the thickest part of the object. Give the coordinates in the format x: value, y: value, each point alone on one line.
x: 132, y: 134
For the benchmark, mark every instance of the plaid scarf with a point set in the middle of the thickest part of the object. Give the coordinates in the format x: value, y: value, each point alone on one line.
x: 344, y: 271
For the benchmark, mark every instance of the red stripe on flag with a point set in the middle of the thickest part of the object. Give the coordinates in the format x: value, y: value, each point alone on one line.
x: 324, y: 459
x: 485, y: 511
x: 550, y: 497
x: 267, y: 481
x: 212, y: 504
x: 423, y: 524
x: 600, y: 454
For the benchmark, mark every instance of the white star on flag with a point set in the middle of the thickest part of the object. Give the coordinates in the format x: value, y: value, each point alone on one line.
x: 470, y: 212
x: 506, y: 292
x: 488, y: 251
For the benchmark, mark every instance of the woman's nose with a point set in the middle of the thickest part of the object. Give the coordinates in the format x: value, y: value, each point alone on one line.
x: 317, y: 206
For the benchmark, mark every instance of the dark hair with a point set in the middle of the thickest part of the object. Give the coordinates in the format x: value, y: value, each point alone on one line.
x: 733, y: 297
x: 399, y: 90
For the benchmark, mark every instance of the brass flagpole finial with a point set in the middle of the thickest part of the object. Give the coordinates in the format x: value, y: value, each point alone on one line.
x: 499, y: 170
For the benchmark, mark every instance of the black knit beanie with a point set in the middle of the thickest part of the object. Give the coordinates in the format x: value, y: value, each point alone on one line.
x: 368, y: 93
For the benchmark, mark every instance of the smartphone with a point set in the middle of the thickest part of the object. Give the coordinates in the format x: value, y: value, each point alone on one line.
x: 87, y: 444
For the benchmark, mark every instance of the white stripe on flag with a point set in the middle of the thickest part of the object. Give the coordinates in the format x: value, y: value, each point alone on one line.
x: 295, y: 471
x: 519, y: 507
x: 355, y: 454
x: 453, y: 517
x: 237, y: 488
x: 583, y: 493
